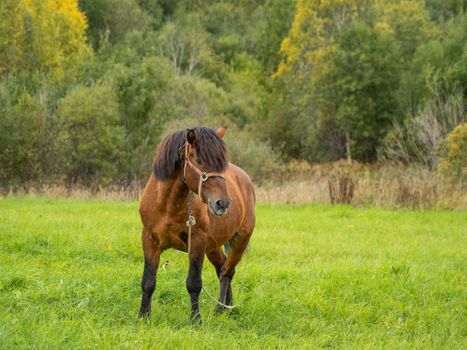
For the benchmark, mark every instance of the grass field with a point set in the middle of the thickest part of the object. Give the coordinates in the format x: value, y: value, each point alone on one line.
x: 314, y: 276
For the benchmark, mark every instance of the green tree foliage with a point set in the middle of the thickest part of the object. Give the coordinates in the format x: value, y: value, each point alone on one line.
x: 442, y: 10
x: 142, y: 91
x: 409, y: 24
x: 359, y: 66
x: 273, y: 24
x: 184, y: 43
x: 90, y: 139
x: 357, y: 87
x: 95, y: 12
x: 314, y: 80
x: 27, y: 134
x: 444, y: 60
x: 256, y: 157
x: 154, y: 9
x: 111, y: 20
x: 124, y: 16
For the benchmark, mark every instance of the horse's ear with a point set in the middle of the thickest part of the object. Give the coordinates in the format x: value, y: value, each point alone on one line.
x: 221, y: 131
x: 191, y: 137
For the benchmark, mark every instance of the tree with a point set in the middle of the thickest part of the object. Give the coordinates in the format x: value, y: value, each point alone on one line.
x: 45, y: 36
x: 111, y: 20
x: 27, y: 134
x: 274, y: 21
x: 443, y: 10
x: 409, y: 23
x: 184, y: 43
x: 141, y: 91
x: 91, y: 141
x: 357, y: 88
x: 124, y: 16
x: 348, y: 55
x: 313, y: 29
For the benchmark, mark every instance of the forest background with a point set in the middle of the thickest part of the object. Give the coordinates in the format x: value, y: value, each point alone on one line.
x: 352, y: 101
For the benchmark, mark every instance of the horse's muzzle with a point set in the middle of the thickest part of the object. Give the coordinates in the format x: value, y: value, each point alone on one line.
x: 218, y: 207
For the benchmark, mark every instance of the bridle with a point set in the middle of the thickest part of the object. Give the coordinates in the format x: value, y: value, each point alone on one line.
x: 203, y: 176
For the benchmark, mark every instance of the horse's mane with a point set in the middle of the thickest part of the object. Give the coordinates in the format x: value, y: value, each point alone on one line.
x: 210, y: 150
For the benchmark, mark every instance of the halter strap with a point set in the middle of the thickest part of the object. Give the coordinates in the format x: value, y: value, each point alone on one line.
x: 203, y: 176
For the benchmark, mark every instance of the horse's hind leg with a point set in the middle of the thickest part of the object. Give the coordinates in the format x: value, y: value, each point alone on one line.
x: 151, y: 263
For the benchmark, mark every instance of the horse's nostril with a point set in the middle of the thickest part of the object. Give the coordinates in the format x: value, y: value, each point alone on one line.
x: 222, y: 204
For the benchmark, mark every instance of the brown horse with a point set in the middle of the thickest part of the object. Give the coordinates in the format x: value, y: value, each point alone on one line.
x: 194, y: 161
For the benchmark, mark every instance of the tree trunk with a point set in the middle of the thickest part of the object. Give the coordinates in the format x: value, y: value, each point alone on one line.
x: 347, y: 148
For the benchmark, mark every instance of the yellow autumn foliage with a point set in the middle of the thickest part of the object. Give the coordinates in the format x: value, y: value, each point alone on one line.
x: 453, y: 152
x: 41, y: 35
x: 315, y: 22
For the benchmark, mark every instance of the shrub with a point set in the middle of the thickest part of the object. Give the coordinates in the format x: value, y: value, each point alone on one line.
x: 257, y: 158
x: 342, y: 181
x: 27, y: 131
x: 453, y: 153
x: 415, y: 139
x: 91, y: 140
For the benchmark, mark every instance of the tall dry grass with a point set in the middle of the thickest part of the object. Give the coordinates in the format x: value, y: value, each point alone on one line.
x: 78, y: 192
x: 385, y: 185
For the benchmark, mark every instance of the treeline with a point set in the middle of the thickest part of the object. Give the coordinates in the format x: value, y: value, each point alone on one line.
x: 371, y: 79
x: 89, y: 87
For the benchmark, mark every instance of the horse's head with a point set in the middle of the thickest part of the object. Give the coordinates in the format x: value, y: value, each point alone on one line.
x: 205, y: 160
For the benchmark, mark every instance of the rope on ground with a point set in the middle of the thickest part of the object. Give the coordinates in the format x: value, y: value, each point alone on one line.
x: 217, y: 301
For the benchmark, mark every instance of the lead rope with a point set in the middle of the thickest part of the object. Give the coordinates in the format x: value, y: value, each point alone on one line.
x: 217, y: 301
x: 191, y: 220
x: 190, y: 223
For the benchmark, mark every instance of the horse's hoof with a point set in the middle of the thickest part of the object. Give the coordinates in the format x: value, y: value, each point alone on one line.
x: 196, y: 318
x: 144, y: 313
x: 220, y: 309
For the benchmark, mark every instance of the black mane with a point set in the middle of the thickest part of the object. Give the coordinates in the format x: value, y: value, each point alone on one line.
x: 210, y: 150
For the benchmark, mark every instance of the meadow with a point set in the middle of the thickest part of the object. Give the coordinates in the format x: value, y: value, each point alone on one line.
x: 314, y: 276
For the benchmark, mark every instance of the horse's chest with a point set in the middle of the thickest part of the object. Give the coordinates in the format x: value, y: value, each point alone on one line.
x: 171, y: 230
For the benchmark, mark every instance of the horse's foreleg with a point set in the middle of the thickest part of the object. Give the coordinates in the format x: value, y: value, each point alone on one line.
x: 194, y: 282
x: 151, y: 263
x: 217, y: 258
x: 237, y: 247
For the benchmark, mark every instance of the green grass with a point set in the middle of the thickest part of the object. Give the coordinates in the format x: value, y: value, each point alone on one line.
x: 314, y: 276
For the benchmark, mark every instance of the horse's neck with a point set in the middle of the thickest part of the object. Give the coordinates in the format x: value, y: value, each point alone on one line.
x: 173, y: 194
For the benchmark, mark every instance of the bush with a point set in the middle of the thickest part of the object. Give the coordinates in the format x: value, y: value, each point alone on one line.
x: 27, y: 131
x: 453, y: 154
x: 254, y: 156
x: 415, y: 140
x: 92, y: 143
